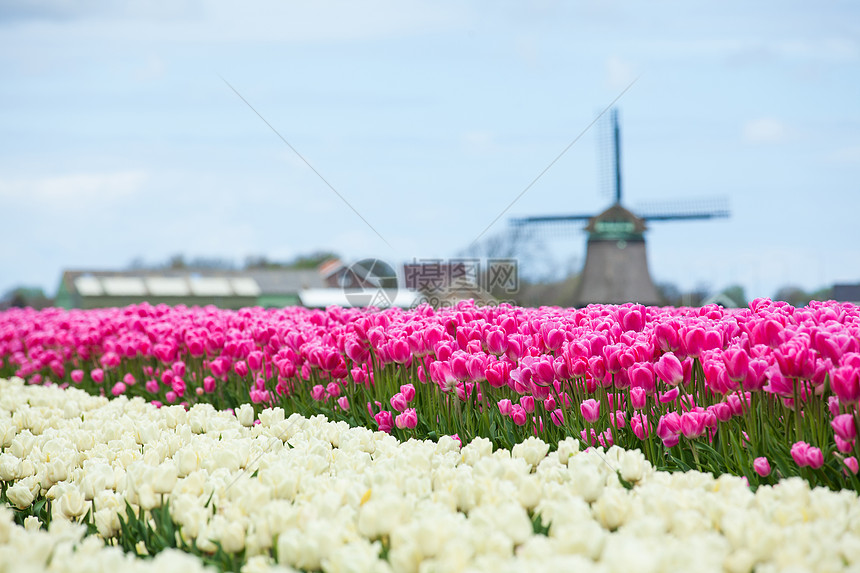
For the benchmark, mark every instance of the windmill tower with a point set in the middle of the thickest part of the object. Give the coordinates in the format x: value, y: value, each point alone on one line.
x: 616, y: 264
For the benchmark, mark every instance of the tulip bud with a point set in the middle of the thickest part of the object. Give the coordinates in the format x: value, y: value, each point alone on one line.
x: 761, y: 466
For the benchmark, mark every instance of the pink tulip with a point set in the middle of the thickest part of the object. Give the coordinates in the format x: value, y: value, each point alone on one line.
x: 693, y: 424
x: 639, y: 425
x: 814, y: 457
x: 669, y: 369
x: 843, y: 445
x: 845, y: 382
x: 258, y: 396
x: 722, y: 411
x: 589, y: 436
x: 606, y: 438
x: 384, y: 420
x: 118, y: 388
x: 844, y: 427
x: 505, y: 407
x: 528, y: 403
x: 241, y: 368
x: 638, y: 398
x: 564, y: 398
x: 318, y: 393
x: 667, y: 337
x: 694, y: 341
x: 761, y: 467
x: 208, y: 384
x: 669, y: 426
x: 799, y: 453
x: 670, y: 396
x: 77, y: 376
x: 768, y: 332
x: 152, y: 386
x: 98, y: 375
x: 737, y: 363
x: 178, y: 368
x: 557, y: 417
x: 408, y: 391
x: 399, y: 350
x: 851, y: 464
x: 178, y: 386
x: 519, y: 415
x: 642, y: 376
x: 554, y: 339
x: 407, y: 419
x: 110, y: 360
x: 590, y: 410
x: 255, y: 361
x: 497, y: 341
x: 399, y: 402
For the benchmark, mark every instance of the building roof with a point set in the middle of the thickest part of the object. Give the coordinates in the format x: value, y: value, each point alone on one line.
x: 190, y: 283
x: 616, y: 223
x: 847, y: 293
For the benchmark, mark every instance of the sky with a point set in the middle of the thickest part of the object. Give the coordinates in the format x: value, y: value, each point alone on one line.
x: 143, y: 129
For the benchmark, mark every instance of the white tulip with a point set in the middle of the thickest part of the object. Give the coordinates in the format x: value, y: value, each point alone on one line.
x: 271, y: 416
x: 584, y: 537
x: 10, y: 467
x: 20, y: 496
x: 32, y: 523
x: 174, y: 415
x: 7, y: 432
x: 359, y: 556
x: 72, y: 504
x: 107, y: 522
x: 532, y: 450
x: 245, y: 415
x: 57, y: 470
x: 586, y: 481
x: 612, y: 508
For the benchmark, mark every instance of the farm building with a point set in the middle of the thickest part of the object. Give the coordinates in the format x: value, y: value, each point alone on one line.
x: 268, y: 288
x: 225, y: 289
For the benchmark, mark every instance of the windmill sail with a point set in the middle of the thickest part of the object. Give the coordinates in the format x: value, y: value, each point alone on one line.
x: 616, y: 266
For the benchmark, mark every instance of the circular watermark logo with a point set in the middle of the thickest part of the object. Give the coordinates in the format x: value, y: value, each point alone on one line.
x: 370, y: 282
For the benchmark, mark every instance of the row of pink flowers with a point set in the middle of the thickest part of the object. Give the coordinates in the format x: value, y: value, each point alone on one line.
x: 671, y: 372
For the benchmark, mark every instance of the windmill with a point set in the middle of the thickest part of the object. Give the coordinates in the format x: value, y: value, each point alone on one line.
x: 616, y: 265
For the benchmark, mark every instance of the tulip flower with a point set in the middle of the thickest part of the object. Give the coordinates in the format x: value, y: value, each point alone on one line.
x: 590, y: 410
x: 761, y: 466
x: 407, y: 419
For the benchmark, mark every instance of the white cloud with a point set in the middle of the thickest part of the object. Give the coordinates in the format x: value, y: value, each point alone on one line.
x: 78, y: 187
x: 766, y: 130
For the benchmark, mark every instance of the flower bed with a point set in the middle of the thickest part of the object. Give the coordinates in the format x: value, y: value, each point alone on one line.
x: 766, y: 392
x: 314, y: 494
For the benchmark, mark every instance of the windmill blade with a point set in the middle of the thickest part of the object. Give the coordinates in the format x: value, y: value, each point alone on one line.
x: 551, y: 225
x: 707, y: 208
x: 545, y: 219
x: 606, y: 165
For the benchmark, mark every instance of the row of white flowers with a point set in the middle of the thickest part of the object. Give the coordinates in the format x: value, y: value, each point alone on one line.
x: 327, y: 496
x: 64, y: 549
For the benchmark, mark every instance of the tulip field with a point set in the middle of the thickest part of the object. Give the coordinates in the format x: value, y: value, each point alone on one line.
x: 471, y: 438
